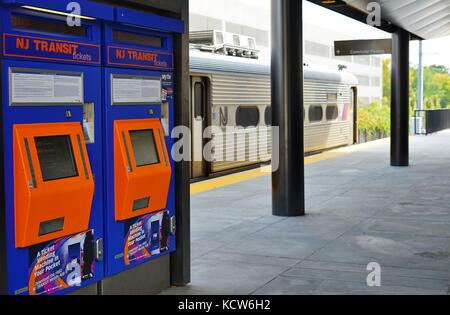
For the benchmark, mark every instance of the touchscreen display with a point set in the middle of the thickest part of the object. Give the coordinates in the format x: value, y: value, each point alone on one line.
x: 56, y: 157
x: 144, y: 147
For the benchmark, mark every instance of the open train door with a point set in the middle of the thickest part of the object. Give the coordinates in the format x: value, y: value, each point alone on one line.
x: 199, y: 122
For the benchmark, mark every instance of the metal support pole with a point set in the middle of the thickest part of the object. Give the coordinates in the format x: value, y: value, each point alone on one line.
x: 418, y: 120
x: 181, y: 259
x: 400, y: 99
x: 288, y: 183
x: 420, y: 78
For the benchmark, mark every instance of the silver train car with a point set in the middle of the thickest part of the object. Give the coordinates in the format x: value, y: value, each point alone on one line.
x: 235, y: 92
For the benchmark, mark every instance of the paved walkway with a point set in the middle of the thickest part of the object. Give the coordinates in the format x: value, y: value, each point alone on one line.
x: 360, y: 210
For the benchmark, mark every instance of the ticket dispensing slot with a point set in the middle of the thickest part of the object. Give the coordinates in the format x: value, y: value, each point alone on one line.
x: 53, y: 182
x: 142, y: 168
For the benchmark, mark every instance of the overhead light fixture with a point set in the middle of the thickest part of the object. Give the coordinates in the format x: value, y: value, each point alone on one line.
x: 57, y: 12
x: 328, y: 1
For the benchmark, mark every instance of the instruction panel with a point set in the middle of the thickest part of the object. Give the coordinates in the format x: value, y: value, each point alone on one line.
x: 136, y: 90
x: 40, y: 88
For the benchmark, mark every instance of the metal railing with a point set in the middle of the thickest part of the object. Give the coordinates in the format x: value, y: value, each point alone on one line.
x: 431, y: 121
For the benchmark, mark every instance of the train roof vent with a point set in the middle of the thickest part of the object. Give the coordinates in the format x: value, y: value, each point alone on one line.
x: 224, y: 43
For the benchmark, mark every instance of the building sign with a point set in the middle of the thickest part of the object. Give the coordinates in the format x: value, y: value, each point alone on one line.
x: 362, y: 47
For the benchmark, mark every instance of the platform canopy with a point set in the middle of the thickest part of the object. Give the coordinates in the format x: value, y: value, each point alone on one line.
x: 424, y: 19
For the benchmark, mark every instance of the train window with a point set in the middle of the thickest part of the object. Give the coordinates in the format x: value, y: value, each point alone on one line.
x: 268, y: 116
x: 315, y: 113
x: 199, y: 100
x: 332, y: 112
x: 247, y: 117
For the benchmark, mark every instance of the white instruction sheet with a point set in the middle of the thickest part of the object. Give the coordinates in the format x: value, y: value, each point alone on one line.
x: 136, y: 90
x: 37, y: 88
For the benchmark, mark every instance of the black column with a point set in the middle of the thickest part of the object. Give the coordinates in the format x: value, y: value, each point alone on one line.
x: 288, y: 185
x: 181, y: 259
x: 400, y: 99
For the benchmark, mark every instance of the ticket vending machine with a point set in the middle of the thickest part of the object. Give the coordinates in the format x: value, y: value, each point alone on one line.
x: 52, y: 210
x: 138, y: 119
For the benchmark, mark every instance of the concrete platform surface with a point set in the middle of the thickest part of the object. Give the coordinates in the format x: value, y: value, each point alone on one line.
x: 360, y: 210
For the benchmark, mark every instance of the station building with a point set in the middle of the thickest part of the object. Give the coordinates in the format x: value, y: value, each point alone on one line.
x: 233, y: 16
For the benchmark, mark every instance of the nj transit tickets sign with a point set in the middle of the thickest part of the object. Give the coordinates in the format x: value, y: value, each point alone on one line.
x: 50, y: 49
x: 139, y: 58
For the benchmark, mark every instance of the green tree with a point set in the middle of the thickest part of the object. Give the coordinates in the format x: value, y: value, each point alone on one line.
x: 375, y: 118
x: 436, y: 86
x: 387, y: 79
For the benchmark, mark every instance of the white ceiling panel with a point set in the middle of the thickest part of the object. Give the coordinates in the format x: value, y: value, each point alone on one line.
x: 427, y: 19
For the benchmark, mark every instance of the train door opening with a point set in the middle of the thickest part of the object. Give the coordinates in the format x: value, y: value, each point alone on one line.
x: 199, y: 122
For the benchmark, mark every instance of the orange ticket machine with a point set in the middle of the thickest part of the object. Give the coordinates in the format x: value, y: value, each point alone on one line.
x: 141, y: 167
x: 53, y: 182
x: 138, y: 85
x: 51, y: 163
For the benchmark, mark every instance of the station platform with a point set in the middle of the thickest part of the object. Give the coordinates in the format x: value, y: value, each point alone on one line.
x: 359, y: 210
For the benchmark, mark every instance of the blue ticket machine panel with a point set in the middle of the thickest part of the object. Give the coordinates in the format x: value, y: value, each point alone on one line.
x: 52, y: 149
x: 138, y: 119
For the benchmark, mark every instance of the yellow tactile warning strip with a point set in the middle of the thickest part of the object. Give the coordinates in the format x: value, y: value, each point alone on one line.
x: 228, y: 180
